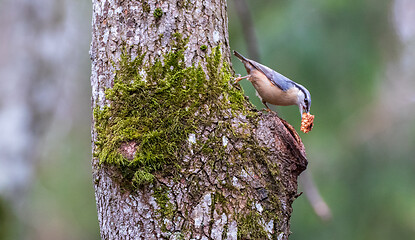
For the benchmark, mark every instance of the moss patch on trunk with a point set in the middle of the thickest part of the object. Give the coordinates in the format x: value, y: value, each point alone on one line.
x: 152, y: 108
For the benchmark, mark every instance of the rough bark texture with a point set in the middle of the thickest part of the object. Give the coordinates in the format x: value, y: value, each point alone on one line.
x: 240, y: 192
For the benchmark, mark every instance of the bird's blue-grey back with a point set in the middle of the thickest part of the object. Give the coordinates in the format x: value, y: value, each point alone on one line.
x: 282, y: 81
x: 276, y: 78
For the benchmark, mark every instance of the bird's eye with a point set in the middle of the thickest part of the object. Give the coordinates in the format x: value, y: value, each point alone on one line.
x: 306, y: 101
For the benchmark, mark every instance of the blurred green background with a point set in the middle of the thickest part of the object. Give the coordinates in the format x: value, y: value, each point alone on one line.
x: 357, y: 58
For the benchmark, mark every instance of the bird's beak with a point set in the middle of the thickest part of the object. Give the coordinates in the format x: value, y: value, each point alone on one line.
x: 303, y: 110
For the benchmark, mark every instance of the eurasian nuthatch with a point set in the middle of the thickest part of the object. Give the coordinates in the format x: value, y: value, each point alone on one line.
x: 274, y: 88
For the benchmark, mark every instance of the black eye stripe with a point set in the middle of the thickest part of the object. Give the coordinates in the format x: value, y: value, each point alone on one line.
x: 306, y: 95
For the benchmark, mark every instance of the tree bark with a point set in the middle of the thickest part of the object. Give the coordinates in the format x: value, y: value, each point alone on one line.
x: 242, y: 189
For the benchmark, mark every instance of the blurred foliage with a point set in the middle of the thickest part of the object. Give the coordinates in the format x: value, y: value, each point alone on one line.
x: 339, y: 50
x: 62, y: 198
x: 9, y: 225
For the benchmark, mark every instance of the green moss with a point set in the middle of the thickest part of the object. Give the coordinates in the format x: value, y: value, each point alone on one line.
x: 158, y: 13
x: 184, y: 4
x: 154, y: 108
x: 166, y: 208
x: 249, y: 227
x: 146, y: 7
x: 225, y: 231
x: 178, y: 236
x: 219, y: 198
x: 161, y: 35
x: 163, y: 201
x: 203, y: 47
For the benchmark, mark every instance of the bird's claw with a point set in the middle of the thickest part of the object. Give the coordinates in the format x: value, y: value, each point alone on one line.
x: 237, y: 79
x: 266, y: 110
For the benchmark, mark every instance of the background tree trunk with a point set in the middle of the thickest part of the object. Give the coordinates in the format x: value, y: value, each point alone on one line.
x: 242, y: 188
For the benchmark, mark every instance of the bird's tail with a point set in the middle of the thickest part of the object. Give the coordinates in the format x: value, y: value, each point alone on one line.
x: 238, y: 55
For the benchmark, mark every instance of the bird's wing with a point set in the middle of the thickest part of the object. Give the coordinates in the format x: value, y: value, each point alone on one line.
x: 277, y: 79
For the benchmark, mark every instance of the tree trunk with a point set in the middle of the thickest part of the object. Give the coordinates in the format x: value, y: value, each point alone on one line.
x: 179, y: 153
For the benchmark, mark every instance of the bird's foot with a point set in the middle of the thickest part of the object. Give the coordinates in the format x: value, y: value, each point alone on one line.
x: 239, y: 78
x: 266, y: 105
x: 266, y: 110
